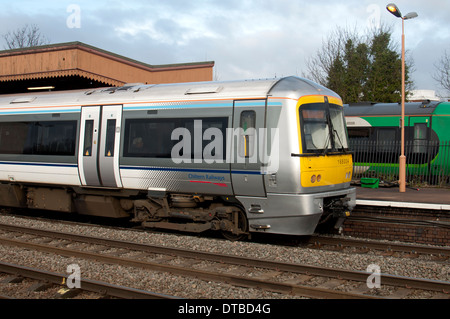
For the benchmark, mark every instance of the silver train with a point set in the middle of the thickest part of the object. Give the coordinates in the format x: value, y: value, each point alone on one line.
x: 237, y: 157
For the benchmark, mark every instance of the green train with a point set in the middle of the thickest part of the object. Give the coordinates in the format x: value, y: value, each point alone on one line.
x: 374, y: 131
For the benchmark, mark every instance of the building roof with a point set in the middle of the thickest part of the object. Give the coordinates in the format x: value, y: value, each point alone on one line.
x: 86, y: 64
x: 423, y: 95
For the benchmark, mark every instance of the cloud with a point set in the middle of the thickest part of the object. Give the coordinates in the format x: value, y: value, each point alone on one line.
x: 246, y: 38
x: 177, y: 31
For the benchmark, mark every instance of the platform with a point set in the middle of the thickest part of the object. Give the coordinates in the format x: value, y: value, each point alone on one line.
x: 421, y: 198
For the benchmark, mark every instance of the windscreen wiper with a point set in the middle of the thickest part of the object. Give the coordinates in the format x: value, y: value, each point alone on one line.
x: 325, y: 148
x: 342, y: 145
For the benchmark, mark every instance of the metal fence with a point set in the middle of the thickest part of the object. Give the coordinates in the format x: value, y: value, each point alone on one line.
x: 427, y: 162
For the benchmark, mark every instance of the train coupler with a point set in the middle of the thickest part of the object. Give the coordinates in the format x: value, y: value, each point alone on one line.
x: 341, y: 217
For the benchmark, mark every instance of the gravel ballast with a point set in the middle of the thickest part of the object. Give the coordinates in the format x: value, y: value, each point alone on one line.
x: 184, y: 287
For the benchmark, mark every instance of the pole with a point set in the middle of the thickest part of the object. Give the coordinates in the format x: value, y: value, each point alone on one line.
x: 402, y: 160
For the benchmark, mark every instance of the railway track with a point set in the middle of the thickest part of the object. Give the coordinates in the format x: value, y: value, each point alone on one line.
x: 386, y: 248
x: 54, y: 285
x: 315, y: 241
x: 288, y: 278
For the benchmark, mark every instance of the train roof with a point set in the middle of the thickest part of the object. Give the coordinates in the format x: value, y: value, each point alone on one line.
x: 386, y: 109
x: 134, y: 93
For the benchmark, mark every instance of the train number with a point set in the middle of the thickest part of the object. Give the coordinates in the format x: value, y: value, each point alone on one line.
x: 343, y: 161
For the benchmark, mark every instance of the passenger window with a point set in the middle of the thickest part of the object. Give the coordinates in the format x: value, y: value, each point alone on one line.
x: 38, y: 138
x: 247, y: 142
x: 385, y: 136
x: 110, y: 137
x: 152, y: 138
x: 360, y: 133
x: 420, y: 138
x: 88, y: 137
x: 13, y: 137
x: 420, y: 131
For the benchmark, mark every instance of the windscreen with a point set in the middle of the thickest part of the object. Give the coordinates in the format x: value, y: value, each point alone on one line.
x: 323, y: 128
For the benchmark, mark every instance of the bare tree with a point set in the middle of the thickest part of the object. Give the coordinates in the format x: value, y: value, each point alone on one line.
x: 442, y: 73
x: 319, y: 66
x: 27, y: 36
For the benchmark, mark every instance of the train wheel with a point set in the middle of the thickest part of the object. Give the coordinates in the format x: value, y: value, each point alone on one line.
x: 240, y: 227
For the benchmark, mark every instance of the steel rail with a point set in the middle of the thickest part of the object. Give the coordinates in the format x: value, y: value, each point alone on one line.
x: 387, y: 279
x: 200, y: 274
x: 406, y: 248
x: 86, y: 284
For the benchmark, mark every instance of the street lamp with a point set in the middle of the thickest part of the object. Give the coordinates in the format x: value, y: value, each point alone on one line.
x: 392, y: 8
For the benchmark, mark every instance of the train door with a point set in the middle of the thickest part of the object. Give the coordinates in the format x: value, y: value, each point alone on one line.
x: 420, y: 127
x: 419, y: 136
x: 98, y: 156
x: 248, y: 119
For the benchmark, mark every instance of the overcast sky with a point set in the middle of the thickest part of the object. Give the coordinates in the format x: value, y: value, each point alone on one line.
x: 246, y: 38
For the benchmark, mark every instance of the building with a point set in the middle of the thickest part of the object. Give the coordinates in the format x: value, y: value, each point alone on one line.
x: 423, y: 95
x: 75, y: 65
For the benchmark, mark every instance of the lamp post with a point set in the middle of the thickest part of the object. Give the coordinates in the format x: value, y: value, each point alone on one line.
x: 392, y: 8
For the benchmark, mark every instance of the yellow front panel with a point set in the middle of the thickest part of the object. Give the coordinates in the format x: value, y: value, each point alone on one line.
x: 328, y: 170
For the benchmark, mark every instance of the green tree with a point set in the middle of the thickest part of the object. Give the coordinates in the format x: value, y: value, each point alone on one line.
x: 349, y: 71
x: 384, y: 80
x: 360, y: 68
